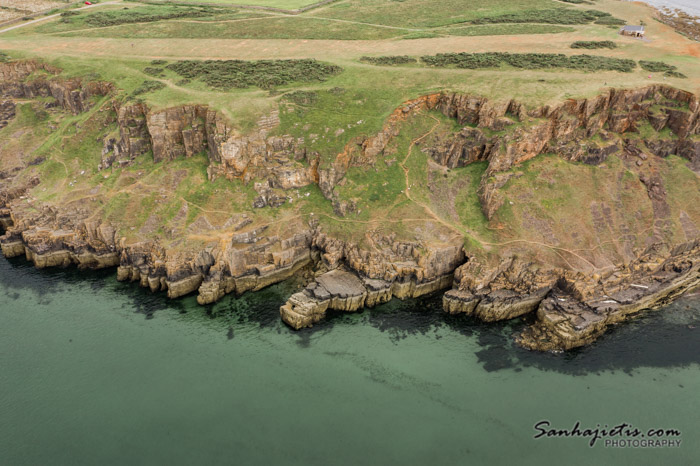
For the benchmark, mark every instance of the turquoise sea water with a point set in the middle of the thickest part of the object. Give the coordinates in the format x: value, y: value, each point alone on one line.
x: 93, y: 371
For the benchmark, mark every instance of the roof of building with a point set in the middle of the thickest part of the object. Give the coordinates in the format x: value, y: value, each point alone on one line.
x: 633, y: 28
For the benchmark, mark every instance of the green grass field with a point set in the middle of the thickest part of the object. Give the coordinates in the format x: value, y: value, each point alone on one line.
x: 427, y: 13
x: 120, y: 42
x: 282, y: 4
x: 212, y: 22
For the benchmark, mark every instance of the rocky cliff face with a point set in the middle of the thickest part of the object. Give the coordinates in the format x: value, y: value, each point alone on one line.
x: 7, y: 112
x: 280, y: 163
x: 504, y: 134
x: 576, y: 313
x: 51, y: 238
x: 72, y: 94
x: 16, y: 71
x: 251, y: 260
x: 562, y: 129
x: 572, y: 307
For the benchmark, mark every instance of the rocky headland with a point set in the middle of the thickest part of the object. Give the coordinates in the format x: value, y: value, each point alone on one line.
x: 572, y: 300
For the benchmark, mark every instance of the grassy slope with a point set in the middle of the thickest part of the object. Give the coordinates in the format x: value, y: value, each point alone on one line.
x: 342, y: 20
x: 425, y: 13
x: 284, y: 4
x: 356, y: 101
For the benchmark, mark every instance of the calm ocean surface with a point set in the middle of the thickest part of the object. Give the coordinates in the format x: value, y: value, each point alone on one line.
x: 689, y: 6
x: 98, y: 372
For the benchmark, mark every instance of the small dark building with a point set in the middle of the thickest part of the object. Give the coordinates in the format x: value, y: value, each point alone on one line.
x: 634, y: 31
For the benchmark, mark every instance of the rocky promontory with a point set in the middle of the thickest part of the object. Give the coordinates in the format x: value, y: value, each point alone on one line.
x: 574, y: 284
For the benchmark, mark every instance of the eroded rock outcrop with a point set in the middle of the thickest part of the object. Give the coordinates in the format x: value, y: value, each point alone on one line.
x: 512, y: 288
x: 572, y: 307
x: 562, y: 129
x: 50, y: 240
x: 577, y: 313
x: 371, y: 275
x: 504, y: 134
x: 280, y: 162
x: 344, y: 290
x: 72, y: 94
x: 7, y: 112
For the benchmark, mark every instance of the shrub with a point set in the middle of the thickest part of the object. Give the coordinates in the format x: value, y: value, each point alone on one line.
x: 656, y: 66
x: 594, y: 44
x: 675, y: 74
x: 144, y: 15
x: 265, y: 74
x: 551, y: 16
x: 529, y: 61
x: 66, y: 16
x: 610, y: 21
x: 153, y: 71
x: 389, y: 60
x: 148, y: 86
x: 661, y: 67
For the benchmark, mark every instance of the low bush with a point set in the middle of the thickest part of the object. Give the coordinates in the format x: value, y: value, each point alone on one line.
x: 552, y: 16
x: 153, y: 71
x: 148, y: 86
x: 594, y: 44
x: 389, y: 60
x: 610, y: 21
x: 530, y: 61
x: 656, y: 66
x: 265, y: 74
x: 675, y: 74
x: 145, y: 15
x: 661, y: 67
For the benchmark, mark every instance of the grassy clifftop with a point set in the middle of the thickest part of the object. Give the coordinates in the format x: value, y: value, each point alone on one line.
x: 324, y: 86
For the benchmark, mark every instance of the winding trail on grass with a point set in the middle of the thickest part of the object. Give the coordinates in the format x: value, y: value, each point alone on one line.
x: 266, y: 16
x: 407, y: 191
x: 321, y: 18
x: 461, y: 231
x: 56, y: 15
x: 555, y: 248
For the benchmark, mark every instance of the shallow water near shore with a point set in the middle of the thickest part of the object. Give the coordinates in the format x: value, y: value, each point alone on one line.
x: 689, y: 6
x: 99, y: 372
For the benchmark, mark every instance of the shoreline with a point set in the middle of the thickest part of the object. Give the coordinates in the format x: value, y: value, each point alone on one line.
x: 348, y: 276
x: 564, y: 316
x: 684, y: 18
x: 685, y: 6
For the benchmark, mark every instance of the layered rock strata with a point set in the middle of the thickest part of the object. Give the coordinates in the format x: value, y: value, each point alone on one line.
x: 29, y: 79
x: 568, y: 318
x: 570, y: 307
x: 344, y: 290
